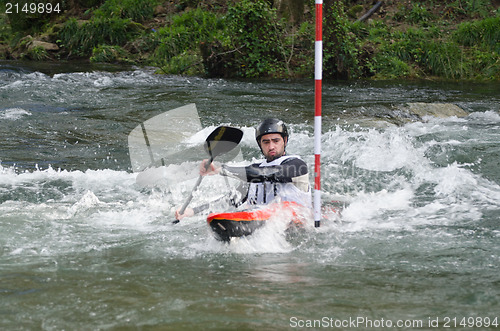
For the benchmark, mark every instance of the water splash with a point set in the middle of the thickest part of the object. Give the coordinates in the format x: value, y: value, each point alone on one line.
x: 14, y: 113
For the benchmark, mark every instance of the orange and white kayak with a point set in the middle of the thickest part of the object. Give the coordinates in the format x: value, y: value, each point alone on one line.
x: 244, y: 223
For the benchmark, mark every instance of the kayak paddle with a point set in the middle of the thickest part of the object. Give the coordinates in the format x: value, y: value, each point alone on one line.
x: 222, y: 140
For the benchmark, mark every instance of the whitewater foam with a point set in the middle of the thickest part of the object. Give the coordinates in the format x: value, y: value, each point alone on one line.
x: 14, y: 113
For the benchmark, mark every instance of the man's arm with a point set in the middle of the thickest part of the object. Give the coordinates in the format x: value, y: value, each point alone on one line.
x: 284, y: 173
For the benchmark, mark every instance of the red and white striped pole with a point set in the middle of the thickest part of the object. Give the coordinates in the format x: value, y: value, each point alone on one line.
x: 318, y: 76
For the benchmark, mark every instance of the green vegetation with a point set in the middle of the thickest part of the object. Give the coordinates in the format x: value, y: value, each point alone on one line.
x: 137, y: 11
x: 81, y: 38
x: 176, y: 46
x: 470, y: 52
x: 449, y: 39
x: 416, y: 14
x: 5, y: 30
x: 255, y: 31
x: 109, y: 54
x: 341, y: 47
x: 484, y: 33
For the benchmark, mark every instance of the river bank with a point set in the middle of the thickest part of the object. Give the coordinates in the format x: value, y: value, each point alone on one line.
x: 451, y: 40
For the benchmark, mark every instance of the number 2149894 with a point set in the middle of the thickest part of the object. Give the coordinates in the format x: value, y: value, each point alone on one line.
x: 32, y: 8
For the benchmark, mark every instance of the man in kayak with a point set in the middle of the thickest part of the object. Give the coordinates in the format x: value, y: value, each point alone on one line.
x: 280, y: 177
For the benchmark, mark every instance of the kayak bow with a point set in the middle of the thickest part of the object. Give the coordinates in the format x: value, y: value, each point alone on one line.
x: 244, y: 223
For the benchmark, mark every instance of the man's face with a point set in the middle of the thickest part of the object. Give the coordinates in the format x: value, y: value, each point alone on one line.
x: 273, y: 146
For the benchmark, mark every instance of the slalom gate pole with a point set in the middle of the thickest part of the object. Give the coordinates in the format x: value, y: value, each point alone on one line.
x: 318, y: 76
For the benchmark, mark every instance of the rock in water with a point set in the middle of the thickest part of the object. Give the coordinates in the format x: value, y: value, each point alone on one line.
x: 441, y: 110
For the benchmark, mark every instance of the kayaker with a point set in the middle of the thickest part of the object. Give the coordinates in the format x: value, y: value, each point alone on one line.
x: 280, y: 177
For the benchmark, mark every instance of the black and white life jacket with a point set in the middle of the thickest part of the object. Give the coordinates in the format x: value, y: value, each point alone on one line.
x: 290, y: 182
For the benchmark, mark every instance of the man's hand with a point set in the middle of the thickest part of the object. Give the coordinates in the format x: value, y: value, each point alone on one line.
x: 212, y: 169
x: 187, y: 213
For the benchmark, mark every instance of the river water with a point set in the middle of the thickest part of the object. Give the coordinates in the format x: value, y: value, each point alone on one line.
x: 83, y: 247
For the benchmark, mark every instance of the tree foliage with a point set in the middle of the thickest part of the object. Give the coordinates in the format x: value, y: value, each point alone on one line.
x: 266, y: 38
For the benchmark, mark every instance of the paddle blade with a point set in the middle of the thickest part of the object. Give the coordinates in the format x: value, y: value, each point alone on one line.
x: 222, y: 140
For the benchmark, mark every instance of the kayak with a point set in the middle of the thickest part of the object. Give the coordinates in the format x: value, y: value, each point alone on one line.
x: 244, y: 223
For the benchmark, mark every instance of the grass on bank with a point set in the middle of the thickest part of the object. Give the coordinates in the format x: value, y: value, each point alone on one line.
x: 470, y: 52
